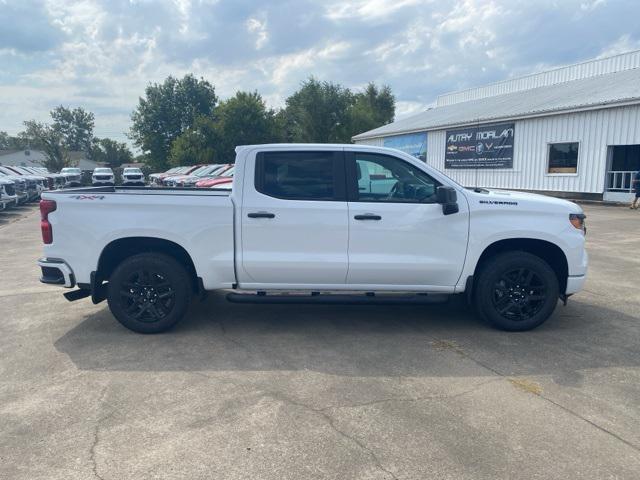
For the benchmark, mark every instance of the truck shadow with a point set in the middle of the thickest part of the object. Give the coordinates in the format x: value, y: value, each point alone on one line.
x: 363, y: 341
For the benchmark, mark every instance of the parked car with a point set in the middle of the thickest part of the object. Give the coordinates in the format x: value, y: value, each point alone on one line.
x: 211, y: 171
x: 225, y: 177
x: 35, y: 183
x: 167, y: 180
x: 301, y: 219
x: 50, y: 178
x: 156, y: 178
x: 21, y: 185
x: 132, y: 176
x: 170, y: 180
x: 103, y: 176
x: 72, y: 176
x: 41, y: 181
x: 8, y: 197
x: 195, y: 175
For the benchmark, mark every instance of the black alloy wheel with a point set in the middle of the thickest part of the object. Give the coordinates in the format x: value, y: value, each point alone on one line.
x: 149, y: 292
x: 147, y: 296
x: 515, y: 291
x: 519, y: 294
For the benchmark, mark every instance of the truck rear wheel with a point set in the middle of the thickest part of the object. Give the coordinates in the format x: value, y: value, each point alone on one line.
x: 516, y: 291
x: 149, y: 292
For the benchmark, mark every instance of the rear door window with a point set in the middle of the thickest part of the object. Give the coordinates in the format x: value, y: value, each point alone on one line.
x: 304, y: 175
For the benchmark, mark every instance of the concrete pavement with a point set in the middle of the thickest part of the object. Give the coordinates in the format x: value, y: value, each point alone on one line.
x: 326, y: 392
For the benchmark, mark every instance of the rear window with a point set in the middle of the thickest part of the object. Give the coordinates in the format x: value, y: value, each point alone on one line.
x: 298, y: 175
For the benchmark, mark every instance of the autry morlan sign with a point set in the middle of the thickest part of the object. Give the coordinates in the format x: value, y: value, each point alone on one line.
x: 481, y: 146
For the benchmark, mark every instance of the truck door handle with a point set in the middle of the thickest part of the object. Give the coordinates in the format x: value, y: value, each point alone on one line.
x: 261, y: 215
x: 368, y: 216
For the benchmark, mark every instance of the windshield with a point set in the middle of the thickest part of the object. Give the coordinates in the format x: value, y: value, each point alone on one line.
x: 199, y: 170
x: 102, y: 170
x: 219, y: 170
x: 70, y: 170
x: 132, y: 170
x: 210, y: 170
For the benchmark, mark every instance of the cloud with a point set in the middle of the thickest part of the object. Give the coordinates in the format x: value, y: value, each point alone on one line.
x: 102, y: 53
x: 26, y: 28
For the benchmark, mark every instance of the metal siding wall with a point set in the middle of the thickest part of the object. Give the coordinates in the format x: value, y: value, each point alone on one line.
x: 595, y: 130
x: 591, y: 68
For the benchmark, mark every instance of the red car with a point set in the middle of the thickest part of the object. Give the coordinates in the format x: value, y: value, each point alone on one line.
x: 226, y: 177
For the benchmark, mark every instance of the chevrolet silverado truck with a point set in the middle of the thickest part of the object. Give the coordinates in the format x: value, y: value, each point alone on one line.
x: 315, y: 223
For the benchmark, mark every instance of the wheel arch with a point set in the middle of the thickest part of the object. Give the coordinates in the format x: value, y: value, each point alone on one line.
x: 120, y: 249
x: 547, y: 251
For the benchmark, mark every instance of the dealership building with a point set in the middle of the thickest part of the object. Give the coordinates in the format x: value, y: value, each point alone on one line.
x: 572, y: 131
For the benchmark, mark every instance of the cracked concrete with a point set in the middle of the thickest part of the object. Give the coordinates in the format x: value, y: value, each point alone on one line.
x: 321, y: 392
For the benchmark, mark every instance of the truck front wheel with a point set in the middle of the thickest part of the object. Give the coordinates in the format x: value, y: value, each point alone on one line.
x: 149, y: 292
x: 516, y: 291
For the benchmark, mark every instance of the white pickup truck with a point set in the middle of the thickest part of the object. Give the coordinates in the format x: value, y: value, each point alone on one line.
x: 315, y: 223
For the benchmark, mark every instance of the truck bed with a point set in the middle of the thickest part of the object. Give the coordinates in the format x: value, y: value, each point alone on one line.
x: 200, y: 221
x: 131, y: 190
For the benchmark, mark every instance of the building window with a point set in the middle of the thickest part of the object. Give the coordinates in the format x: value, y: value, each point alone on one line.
x: 563, y: 158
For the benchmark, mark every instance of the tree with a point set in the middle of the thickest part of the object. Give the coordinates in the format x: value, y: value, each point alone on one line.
x: 318, y: 112
x: 111, y: 152
x: 371, y: 109
x: 167, y: 111
x: 8, y: 142
x: 74, y: 126
x: 243, y: 119
x: 240, y: 120
x: 196, y: 145
x: 40, y: 135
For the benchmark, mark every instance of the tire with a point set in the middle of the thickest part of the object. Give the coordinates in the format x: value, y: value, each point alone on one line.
x: 516, y: 291
x: 149, y: 292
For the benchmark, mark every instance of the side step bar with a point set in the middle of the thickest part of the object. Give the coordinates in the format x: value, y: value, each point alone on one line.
x: 338, y: 299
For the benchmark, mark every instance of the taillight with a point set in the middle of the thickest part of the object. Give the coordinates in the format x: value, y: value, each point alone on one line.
x: 46, y: 207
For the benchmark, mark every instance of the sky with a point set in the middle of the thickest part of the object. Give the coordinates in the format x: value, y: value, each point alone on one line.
x: 101, y: 54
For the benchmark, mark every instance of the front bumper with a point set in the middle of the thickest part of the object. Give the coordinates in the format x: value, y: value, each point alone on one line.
x: 8, y: 201
x: 56, y: 272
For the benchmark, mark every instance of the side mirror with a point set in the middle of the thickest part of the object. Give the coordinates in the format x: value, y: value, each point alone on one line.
x: 448, y: 198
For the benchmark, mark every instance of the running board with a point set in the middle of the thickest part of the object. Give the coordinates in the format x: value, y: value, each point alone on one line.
x: 368, y: 298
x: 78, y: 294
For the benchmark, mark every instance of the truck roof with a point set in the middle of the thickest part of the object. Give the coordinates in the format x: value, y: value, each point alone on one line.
x: 299, y: 146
